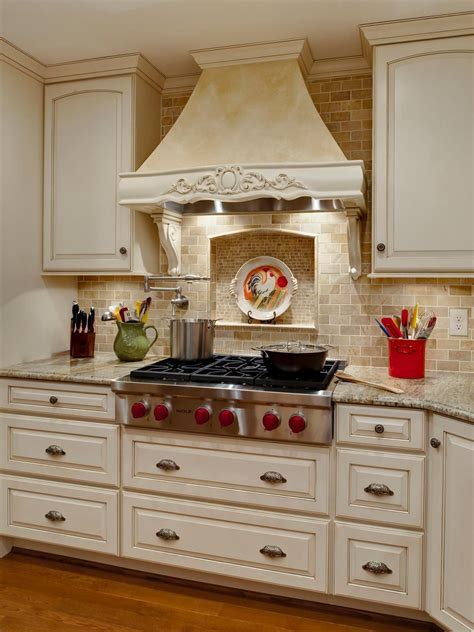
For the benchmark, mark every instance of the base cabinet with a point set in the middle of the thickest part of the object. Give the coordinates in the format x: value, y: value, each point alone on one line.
x: 450, y: 529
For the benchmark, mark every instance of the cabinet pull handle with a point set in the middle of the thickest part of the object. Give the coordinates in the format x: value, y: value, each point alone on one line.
x: 53, y: 399
x: 378, y: 568
x: 123, y: 250
x: 55, y: 450
x: 380, y: 247
x: 55, y: 516
x: 435, y: 443
x: 167, y: 534
x: 273, y: 477
x: 167, y: 465
x: 379, y: 429
x: 272, y: 551
x: 378, y: 489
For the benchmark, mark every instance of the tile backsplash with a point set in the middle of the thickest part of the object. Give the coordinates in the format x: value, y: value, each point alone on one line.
x: 343, y: 310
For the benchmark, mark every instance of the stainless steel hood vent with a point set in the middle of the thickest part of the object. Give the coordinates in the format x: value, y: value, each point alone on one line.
x: 249, y: 140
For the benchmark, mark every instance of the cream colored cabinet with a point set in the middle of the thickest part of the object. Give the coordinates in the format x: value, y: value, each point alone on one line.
x: 423, y: 158
x: 450, y: 525
x: 95, y: 129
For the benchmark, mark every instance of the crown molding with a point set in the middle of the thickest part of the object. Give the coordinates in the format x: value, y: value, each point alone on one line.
x: 339, y: 67
x: 106, y: 66
x: 257, y: 52
x: 180, y: 84
x: 396, y: 31
x: 19, y: 59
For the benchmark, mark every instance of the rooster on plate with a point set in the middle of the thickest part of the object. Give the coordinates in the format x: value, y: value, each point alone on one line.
x: 265, y: 286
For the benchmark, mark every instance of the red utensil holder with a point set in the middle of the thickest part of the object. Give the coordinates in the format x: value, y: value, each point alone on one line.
x: 406, y: 358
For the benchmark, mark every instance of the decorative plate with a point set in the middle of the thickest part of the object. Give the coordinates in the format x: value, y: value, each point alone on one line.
x: 264, y: 286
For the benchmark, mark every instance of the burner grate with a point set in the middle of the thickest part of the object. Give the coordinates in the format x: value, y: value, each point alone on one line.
x: 248, y: 370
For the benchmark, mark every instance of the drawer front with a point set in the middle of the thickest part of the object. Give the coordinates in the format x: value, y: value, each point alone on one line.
x: 83, y: 401
x: 381, y: 565
x: 56, y: 513
x: 291, y: 477
x: 381, y: 426
x: 380, y: 486
x: 261, y: 546
x: 72, y: 450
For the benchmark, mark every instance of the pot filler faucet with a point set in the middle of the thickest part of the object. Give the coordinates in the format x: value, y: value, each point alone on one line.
x: 180, y: 301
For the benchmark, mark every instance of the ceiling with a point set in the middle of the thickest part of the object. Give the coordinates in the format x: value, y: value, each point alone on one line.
x: 56, y: 31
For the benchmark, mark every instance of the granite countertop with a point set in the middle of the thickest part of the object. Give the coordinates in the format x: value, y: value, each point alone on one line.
x: 446, y: 393
x: 441, y: 392
x: 102, y: 369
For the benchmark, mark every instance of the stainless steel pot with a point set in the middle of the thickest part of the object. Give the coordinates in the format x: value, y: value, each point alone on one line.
x: 294, y: 357
x: 192, y: 338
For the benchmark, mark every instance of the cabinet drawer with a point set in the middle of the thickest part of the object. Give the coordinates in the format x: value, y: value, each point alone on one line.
x: 57, y: 513
x: 73, y: 450
x: 83, y: 401
x: 381, y: 565
x: 250, y: 472
x: 380, y: 486
x: 380, y: 426
x: 226, y: 541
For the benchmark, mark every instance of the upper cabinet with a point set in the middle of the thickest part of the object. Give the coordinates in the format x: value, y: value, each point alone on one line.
x: 423, y: 191
x: 95, y: 129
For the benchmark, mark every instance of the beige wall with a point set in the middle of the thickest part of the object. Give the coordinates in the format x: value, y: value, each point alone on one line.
x: 34, y: 311
x: 345, y: 309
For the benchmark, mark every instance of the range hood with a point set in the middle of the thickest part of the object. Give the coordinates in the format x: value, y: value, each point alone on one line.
x: 248, y: 140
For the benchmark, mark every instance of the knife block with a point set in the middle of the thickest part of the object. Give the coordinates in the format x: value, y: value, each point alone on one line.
x: 82, y: 345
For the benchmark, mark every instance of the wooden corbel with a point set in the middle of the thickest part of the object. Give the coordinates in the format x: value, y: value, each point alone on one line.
x: 169, y: 229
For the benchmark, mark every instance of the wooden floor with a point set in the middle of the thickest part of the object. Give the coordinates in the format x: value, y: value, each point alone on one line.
x: 40, y: 594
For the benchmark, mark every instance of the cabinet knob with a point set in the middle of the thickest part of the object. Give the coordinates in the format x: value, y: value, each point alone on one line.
x: 378, y: 489
x: 167, y: 534
x: 167, y: 465
x: 273, y: 477
x: 55, y: 516
x: 123, y: 250
x: 379, y: 429
x: 53, y: 399
x: 380, y: 247
x: 272, y: 551
x: 378, y: 568
x: 435, y: 443
x: 55, y: 450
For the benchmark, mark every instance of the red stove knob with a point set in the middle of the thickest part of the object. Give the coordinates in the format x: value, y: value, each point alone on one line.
x: 297, y: 423
x: 271, y: 421
x: 161, y: 412
x: 140, y: 409
x: 202, y: 415
x: 227, y: 417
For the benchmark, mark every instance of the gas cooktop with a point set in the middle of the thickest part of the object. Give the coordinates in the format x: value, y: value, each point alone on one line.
x: 230, y: 369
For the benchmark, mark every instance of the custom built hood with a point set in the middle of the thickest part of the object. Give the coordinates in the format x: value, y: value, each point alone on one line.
x: 249, y: 140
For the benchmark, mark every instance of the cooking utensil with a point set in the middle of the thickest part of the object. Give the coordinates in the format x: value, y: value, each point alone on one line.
x: 405, y: 322
x: 391, y: 327
x: 382, y: 328
x: 347, y: 377
x: 294, y: 357
x: 83, y: 321
x: 192, y: 338
x: 91, y: 319
x: 414, y: 320
x: 426, y: 330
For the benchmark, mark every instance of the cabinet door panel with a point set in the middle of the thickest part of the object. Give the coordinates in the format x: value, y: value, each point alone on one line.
x: 87, y: 144
x: 450, y: 526
x: 424, y: 124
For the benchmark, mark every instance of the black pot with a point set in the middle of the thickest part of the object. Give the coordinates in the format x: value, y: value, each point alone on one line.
x: 294, y: 358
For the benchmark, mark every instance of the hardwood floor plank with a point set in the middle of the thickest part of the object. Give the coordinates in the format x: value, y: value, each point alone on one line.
x: 41, y: 594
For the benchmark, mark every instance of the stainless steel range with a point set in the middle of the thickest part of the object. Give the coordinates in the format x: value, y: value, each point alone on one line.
x: 229, y: 395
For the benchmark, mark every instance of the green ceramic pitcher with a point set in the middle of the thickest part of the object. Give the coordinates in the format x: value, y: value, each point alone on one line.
x: 131, y: 343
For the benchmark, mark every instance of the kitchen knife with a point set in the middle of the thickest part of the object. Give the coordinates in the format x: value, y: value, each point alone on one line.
x: 75, y: 311
x: 391, y: 327
x: 90, y: 320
